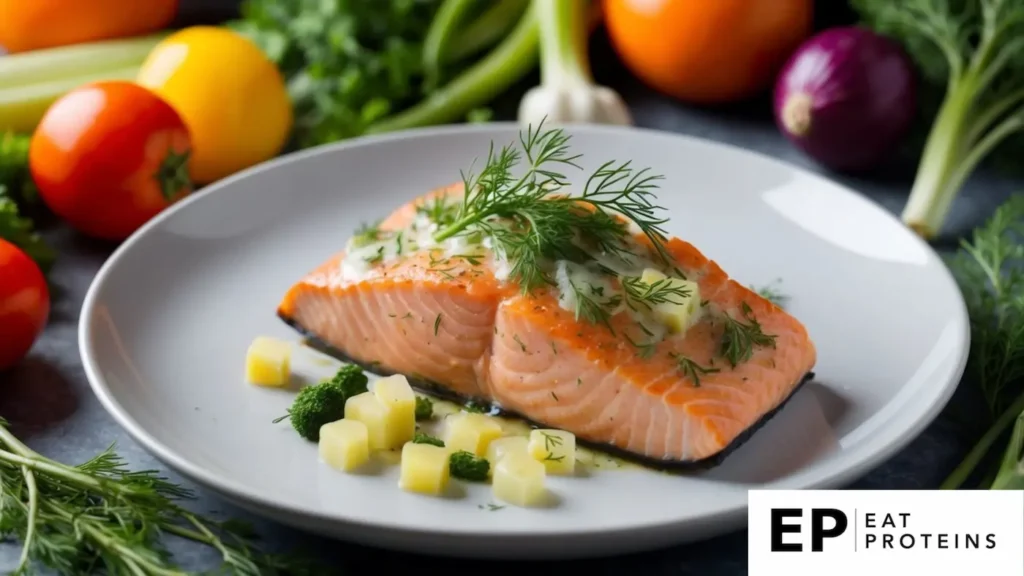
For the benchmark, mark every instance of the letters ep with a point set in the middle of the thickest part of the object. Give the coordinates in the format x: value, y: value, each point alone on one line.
x: 781, y: 527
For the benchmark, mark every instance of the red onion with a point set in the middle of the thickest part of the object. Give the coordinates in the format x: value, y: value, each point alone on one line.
x: 846, y: 97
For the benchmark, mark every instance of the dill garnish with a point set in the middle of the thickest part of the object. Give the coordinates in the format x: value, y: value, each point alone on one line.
x: 439, y: 210
x: 590, y: 309
x: 531, y: 223
x: 692, y: 370
x: 644, y: 349
x: 437, y: 323
x: 740, y: 338
x: 377, y: 257
x: 550, y: 443
x: 368, y: 234
x: 772, y: 294
x: 663, y: 291
x: 520, y: 342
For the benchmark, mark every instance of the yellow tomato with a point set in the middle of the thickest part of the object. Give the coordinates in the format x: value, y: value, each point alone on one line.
x: 231, y: 96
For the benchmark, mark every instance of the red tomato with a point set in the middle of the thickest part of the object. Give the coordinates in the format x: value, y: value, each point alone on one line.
x: 24, y: 304
x: 109, y: 156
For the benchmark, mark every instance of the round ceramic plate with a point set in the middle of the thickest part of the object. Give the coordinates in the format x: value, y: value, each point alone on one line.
x: 168, y: 319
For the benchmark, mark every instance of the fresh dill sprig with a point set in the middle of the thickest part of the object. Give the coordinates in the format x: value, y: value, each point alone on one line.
x: 439, y: 210
x: 740, y: 338
x: 590, y: 309
x: 531, y: 222
x: 772, y: 293
x: 663, y: 291
x: 368, y: 233
x: 692, y: 370
x: 101, y: 517
x: 989, y: 269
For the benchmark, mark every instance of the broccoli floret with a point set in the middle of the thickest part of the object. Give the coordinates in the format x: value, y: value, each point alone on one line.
x: 315, y: 406
x: 351, y: 380
x: 424, y: 408
x: 421, y: 438
x: 324, y: 403
x: 468, y: 466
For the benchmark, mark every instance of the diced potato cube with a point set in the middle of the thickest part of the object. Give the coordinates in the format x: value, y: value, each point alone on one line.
x: 395, y: 393
x: 676, y: 317
x: 504, y: 446
x: 345, y: 444
x: 268, y: 362
x: 555, y: 449
x: 367, y: 409
x: 472, y: 432
x: 424, y: 469
x: 519, y: 480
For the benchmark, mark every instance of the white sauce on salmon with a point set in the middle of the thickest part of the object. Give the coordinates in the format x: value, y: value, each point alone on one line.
x: 579, y: 287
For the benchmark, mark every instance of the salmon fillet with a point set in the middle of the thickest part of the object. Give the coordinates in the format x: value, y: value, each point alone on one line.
x: 457, y: 328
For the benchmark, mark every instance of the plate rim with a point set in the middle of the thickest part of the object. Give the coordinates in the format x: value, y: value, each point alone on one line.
x: 857, y: 463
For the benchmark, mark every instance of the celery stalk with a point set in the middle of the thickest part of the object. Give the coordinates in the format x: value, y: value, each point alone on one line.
x: 22, y: 108
x: 509, y: 62
x: 74, y: 61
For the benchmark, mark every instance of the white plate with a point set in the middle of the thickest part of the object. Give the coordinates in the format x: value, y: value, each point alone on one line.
x: 166, y: 324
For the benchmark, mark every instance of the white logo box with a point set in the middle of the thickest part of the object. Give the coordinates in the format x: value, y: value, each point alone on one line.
x: 882, y: 532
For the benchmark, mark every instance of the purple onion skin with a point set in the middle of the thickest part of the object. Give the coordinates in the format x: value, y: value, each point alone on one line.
x: 846, y: 97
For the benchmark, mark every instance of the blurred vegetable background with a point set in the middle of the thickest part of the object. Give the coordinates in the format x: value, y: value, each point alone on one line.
x: 852, y: 84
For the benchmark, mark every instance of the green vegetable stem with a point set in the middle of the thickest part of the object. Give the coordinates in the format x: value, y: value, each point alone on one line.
x: 30, y: 82
x: 975, y: 50
x: 509, y: 62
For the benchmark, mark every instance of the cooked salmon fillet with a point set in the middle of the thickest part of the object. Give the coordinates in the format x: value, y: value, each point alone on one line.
x: 458, y: 328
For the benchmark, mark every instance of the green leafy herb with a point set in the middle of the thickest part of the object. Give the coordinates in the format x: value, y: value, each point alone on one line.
x: 551, y: 442
x: 490, y: 507
x: 990, y: 271
x: 437, y: 323
x: 519, y: 341
x: 772, y: 294
x: 15, y: 178
x: 18, y: 231
x: 468, y: 466
x: 440, y: 210
x: 424, y: 408
x: 422, y: 438
x: 663, y: 291
x: 101, y: 517
x: 972, y: 50
x: 592, y: 310
x: 739, y: 338
x: 532, y: 222
x: 477, y: 407
x: 692, y: 370
x: 348, y: 64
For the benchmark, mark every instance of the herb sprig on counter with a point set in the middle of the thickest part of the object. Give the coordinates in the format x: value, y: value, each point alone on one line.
x: 990, y: 271
x: 532, y: 221
x: 101, y: 517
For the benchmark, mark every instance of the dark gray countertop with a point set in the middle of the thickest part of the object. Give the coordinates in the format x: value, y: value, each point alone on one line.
x: 53, y: 408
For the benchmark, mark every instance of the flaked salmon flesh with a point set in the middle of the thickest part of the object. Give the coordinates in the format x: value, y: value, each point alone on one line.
x: 463, y: 330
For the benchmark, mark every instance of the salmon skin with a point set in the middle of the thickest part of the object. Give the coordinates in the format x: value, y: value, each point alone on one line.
x: 451, y: 324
